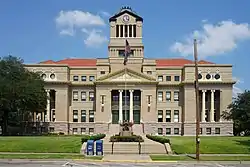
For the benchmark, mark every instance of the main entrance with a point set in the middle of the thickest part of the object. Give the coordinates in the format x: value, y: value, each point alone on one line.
x: 126, y: 116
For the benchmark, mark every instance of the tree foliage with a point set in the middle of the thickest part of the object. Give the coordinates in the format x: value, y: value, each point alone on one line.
x: 21, y: 93
x: 239, y: 112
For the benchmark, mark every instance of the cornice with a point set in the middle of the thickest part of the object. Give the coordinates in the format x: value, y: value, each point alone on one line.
x: 209, y: 65
x: 210, y: 82
x: 123, y: 82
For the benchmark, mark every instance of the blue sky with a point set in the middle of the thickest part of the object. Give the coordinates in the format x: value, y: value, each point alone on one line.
x: 29, y: 30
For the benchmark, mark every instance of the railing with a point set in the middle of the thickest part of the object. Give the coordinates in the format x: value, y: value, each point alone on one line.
x: 139, y: 146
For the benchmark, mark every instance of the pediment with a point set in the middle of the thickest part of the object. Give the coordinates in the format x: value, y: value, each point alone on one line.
x: 126, y: 11
x: 126, y: 75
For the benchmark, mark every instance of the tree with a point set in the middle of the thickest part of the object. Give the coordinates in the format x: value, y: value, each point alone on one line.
x: 21, y: 93
x: 239, y: 112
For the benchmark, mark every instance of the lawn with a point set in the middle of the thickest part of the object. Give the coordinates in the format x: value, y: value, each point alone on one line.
x: 41, y: 144
x: 211, y: 145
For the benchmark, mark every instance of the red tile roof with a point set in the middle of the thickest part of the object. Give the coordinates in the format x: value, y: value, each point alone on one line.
x: 92, y: 62
x: 73, y: 62
x: 178, y: 62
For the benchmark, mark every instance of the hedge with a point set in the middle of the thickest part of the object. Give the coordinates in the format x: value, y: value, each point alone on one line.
x: 133, y: 138
x: 159, y: 139
x: 85, y: 138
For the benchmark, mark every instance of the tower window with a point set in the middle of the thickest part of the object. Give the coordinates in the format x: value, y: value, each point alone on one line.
x: 134, y: 30
x: 126, y: 31
x: 121, y: 30
x: 117, y: 30
x: 130, y: 30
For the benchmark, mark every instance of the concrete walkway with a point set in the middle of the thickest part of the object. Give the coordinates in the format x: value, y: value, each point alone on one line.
x: 127, y: 157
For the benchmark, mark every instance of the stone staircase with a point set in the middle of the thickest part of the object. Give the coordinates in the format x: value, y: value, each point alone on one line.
x: 147, y: 147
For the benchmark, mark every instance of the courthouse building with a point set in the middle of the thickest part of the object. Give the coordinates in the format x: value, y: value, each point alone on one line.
x: 89, y: 96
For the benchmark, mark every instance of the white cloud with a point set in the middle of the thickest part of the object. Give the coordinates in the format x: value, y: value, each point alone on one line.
x: 214, y: 40
x: 94, y: 38
x: 105, y: 14
x: 71, y: 22
x: 236, y: 89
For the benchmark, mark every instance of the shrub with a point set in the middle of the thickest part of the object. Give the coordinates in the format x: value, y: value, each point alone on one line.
x: 159, y: 139
x: 133, y: 138
x: 85, y: 138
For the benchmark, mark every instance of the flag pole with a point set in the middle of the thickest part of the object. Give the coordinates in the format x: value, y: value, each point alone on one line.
x: 196, y: 83
x: 125, y: 108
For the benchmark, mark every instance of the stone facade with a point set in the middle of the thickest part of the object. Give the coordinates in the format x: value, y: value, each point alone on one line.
x: 91, y: 95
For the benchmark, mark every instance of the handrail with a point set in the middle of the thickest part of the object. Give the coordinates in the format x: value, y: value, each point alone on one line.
x: 139, y: 145
x: 112, y: 152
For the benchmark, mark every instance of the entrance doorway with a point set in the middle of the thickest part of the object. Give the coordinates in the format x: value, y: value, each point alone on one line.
x: 137, y: 116
x: 115, y: 116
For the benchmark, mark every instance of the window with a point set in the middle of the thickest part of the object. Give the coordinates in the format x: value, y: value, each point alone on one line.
x: 75, y: 131
x: 217, y: 131
x: 84, y: 78
x: 75, y: 78
x: 83, y: 131
x: 201, y: 131
x: 160, y: 95
x: 149, y: 72
x: 53, y: 115
x: 176, y: 78
x: 168, y: 96
x: 91, y: 116
x: 75, y: 96
x: 126, y: 31
x: 176, y: 131
x: 102, y: 72
x: 168, y: 115
x: 160, y: 116
x: 160, y: 131
x: 208, y: 131
x: 160, y: 78
x: 176, y: 96
x: 168, y: 131
x: 168, y: 78
x: 121, y: 30
x: 91, y: 96
x: 130, y: 31
x: 117, y: 30
x: 51, y: 129
x: 91, y: 131
x: 83, y: 96
x: 83, y: 115
x: 121, y: 53
x: 134, y: 30
x: 91, y: 78
x: 75, y: 116
x: 176, y: 115
x: 102, y: 99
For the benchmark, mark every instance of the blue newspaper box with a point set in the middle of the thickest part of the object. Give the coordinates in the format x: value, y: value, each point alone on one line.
x: 90, y: 147
x: 99, y: 147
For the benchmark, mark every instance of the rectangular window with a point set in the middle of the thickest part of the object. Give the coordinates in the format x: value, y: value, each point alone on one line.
x: 130, y: 31
x: 208, y: 131
x: 91, y: 131
x: 160, y: 95
x: 134, y: 30
x: 160, y: 116
x: 217, y: 131
x: 168, y: 78
x: 51, y: 129
x: 117, y: 30
x: 160, y: 78
x: 91, y: 96
x: 168, y: 96
x: 75, y: 116
x: 149, y: 72
x: 176, y: 115
x: 75, y: 78
x: 176, y: 78
x: 75, y: 131
x: 83, y: 115
x: 75, y: 95
x: 201, y: 131
x: 126, y: 31
x: 91, y: 78
x: 83, y: 96
x: 168, y: 131
x: 176, y: 131
x: 102, y: 99
x: 160, y: 131
x: 53, y: 115
x: 83, y: 131
x: 102, y: 72
x: 121, y: 30
x: 84, y: 78
x: 91, y: 116
x: 176, y: 96
x: 168, y: 115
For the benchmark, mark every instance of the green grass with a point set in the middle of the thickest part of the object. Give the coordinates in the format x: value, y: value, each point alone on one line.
x: 211, y: 145
x: 41, y: 144
x: 48, y: 156
x: 202, y: 158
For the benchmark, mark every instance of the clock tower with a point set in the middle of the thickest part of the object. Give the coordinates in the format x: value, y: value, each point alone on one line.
x: 126, y: 25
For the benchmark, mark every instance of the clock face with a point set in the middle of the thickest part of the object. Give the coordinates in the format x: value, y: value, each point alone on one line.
x: 126, y: 18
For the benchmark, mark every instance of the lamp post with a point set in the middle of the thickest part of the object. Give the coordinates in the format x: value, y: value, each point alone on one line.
x: 196, y: 83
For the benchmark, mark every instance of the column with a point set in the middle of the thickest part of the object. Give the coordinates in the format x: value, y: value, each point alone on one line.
x: 132, y: 30
x: 131, y: 106
x: 203, y: 113
x: 120, y: 106
x: 212, y: 106
x: 48, y: 105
